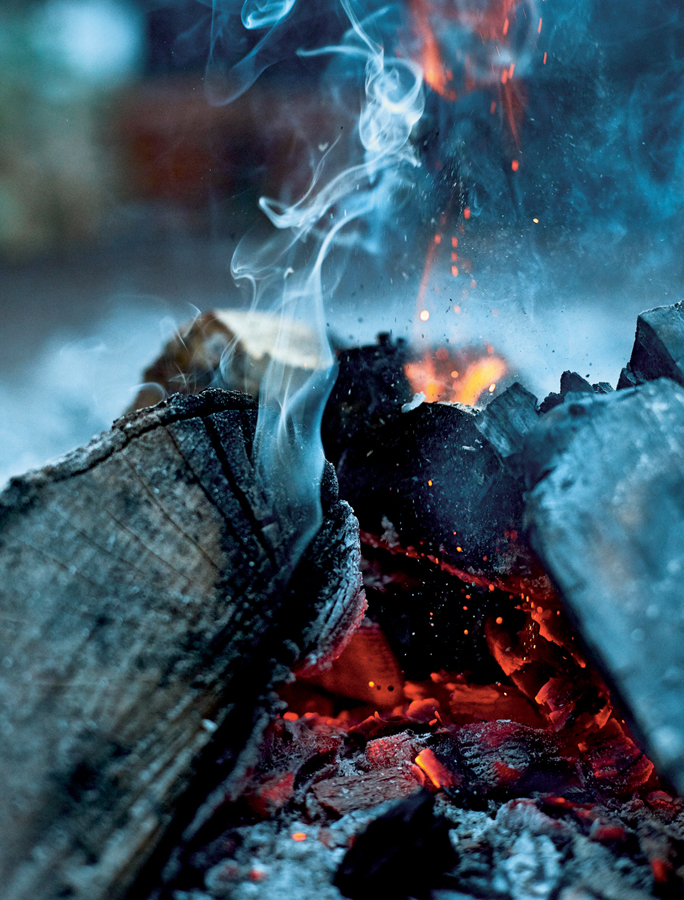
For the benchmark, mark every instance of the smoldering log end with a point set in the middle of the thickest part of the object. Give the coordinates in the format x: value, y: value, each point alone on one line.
x: 147, y: 611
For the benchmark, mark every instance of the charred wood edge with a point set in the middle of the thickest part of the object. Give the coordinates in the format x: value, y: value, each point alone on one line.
x: 658, y: 347
x: 337, y: 607
x: 545, y: 449
x: 22, y: 490
x: 504, y: 423
x: 396, y: 550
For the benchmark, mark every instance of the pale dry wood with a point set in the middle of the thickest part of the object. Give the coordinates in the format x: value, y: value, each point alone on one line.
x: 228, y: 348
x: 147, y: 608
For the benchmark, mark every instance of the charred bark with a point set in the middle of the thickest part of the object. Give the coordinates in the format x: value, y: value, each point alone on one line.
x: 148, y: 608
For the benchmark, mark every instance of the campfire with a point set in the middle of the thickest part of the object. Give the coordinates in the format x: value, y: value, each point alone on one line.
x: 456, y: 709
x: 351, y: 619
x: 466, y: 699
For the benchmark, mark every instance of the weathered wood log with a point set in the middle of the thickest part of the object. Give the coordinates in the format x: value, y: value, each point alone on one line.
x: 148, y: 606
x: 605, y: 513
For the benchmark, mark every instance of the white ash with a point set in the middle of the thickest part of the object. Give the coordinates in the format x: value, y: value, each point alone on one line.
x: 515, y: 852
x: 508, y: 851
x: 520, y: 853
x: 269, y: 863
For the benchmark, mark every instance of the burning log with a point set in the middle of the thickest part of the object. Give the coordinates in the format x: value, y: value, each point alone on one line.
x: 606, y: 515
x: 149, y: 607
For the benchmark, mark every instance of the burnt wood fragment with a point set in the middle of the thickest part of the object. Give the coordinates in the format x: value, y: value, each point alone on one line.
x: 505, y: 422
x: 605, y: 513
x: 571, y: 383
x: 430, y: 485
x: 371, y: 386
x: 148, y: 608
x: 401, y: 854
x: 658, y: 350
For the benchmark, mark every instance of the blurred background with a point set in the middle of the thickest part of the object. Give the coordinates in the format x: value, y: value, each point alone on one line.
x: 123, y: 193
x: 545, y: 213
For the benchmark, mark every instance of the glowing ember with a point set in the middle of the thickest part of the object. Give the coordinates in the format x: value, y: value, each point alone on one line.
x: 438, y: 773
x: 299, y: 836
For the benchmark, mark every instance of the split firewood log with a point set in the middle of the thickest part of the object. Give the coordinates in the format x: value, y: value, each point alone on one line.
x: 226, y: 348
x: 147, y: 608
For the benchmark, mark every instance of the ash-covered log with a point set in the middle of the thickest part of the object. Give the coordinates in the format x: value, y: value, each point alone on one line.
x: 224, y: 348
x: 605, y: 513
x: 148, y: 609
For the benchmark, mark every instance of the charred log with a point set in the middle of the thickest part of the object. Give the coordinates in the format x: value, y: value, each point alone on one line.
x: 148, y: 610
x: 431, y: 485
x: 606, y: 515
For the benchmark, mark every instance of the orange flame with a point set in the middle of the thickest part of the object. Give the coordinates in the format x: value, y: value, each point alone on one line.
x: 439, y: 380
x: 434, y: 70
x: 491, y: 22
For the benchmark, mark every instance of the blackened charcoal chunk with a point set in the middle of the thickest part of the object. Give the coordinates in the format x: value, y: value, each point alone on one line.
x: 571, y: 383
x: 658, y: 350
x: 505, y: 422
x: 431, y: 482
x: 371, y: 385
x: 606, y: 516
x: 401, y: 854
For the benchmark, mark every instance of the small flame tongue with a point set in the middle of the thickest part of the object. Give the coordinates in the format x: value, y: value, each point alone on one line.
x: 464, y: 46
x: 455, y: 377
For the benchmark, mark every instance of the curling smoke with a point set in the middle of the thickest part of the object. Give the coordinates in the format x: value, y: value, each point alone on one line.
x: 291, y: 274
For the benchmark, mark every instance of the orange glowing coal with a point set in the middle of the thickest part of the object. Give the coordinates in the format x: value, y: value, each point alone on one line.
x: 436, y: 771
x: 456, y: 378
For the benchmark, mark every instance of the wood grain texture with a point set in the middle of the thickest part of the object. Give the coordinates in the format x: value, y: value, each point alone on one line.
x: 147, y: 608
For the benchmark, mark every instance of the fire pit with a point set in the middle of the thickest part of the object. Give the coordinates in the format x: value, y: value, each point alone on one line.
x: 467, y: 698
x: 339, y: 619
